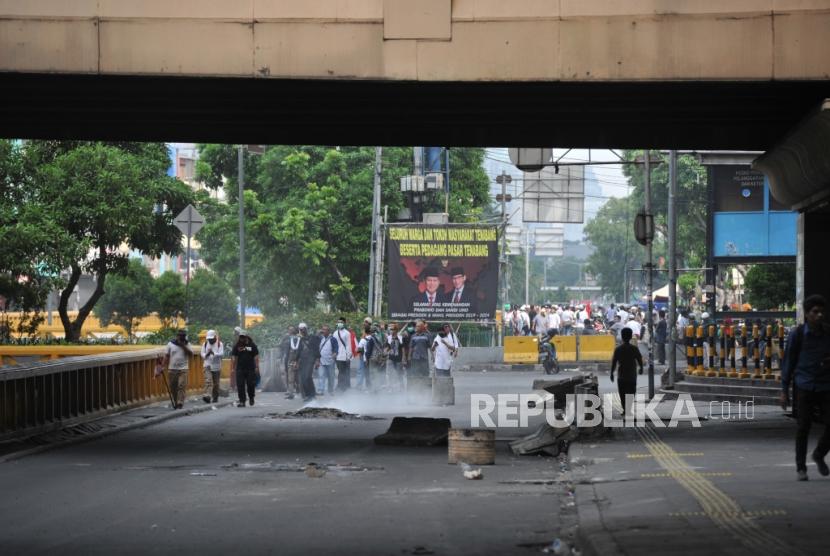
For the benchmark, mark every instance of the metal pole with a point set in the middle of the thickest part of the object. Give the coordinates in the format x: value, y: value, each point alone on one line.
x: 187, y: 272
x: 672, y: 209
x: 527, y: 267
x: 375, y: 215
x: 241, y: 202
x: 649, y: 280
x: 503, y: 252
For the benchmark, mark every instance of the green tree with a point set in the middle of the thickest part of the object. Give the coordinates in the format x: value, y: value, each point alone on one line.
x: 308, y: 218
x: 769, y: 286
x: 170, y: 298
x: 129, y: 298
x: 29, y: 269
x: 611, y: 233
x: 212, y: 303
x: 103, y: 197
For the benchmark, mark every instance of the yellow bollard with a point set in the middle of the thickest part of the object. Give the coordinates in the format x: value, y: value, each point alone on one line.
x: 744, y: 370
x: 756, y: 351
x: 768, y: 355
x: 712, y: 352
x: 733, y: 373
x: 690, y: 349
x: 700, y: 369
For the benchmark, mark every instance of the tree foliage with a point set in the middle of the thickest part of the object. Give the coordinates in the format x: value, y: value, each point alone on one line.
x: 102, y: 197
x: 129, y: 298
x: 211, y: 301
x: 770, y: 286
x: 169, y: 297
x: 308, y: 213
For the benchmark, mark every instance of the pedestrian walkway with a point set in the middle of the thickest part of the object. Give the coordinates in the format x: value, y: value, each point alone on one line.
x: 727, y: 487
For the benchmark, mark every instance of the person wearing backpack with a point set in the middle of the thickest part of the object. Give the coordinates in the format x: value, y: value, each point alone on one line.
x: 376, y: 353
x: 807, y: 367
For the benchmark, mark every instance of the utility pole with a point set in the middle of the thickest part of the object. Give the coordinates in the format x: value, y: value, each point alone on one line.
x: 672, y: 209
x: 649, y: 277
x: 503, y: 179
x: 372, y: 310
x: 240, y: 158
x: 527, y: 266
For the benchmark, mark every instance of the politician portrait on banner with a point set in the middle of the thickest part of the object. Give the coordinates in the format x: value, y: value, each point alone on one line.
x: 443, y: 272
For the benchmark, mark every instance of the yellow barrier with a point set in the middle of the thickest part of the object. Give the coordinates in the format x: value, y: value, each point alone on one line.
x: 9, y: 354
x: 92, y: 325
x: 596, y: 348
x: 565, y: 347
x: 521, y: 350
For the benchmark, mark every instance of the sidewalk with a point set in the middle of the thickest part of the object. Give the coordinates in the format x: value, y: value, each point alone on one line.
x: 727, y: 487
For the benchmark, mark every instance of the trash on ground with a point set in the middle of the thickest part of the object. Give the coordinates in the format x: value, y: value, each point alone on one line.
x: 315, y: 471
x: 470, y: 472
x: 415, y: 431
x: 545, y: 440
x: 201, y: 474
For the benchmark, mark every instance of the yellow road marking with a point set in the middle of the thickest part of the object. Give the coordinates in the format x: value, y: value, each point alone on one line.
x: 705, y: 474
x: 725, y: 512
x: 756, y: 513
x: 636, y: 455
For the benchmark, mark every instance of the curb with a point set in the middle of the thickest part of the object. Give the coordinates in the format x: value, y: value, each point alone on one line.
x: 592, y: 537
x: 108, y: 432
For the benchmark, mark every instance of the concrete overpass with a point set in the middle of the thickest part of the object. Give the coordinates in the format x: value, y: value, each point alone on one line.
x: 683, y: 73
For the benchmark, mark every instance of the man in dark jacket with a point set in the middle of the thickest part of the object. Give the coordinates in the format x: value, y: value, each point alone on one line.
x: 305, y: 356
x: 807, y: 365
x: 660, y: 337
x: 628, y: 358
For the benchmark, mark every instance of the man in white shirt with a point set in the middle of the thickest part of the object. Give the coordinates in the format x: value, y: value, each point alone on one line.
x: 567, y: 321
x: 554, y: 321
x: 329, y: 349
x: 177, y: 356
x: 540, y: 322
x: 525, y: 320
x: 212, y: 351
x: 623, y: 314
x: 445, y: 347
x: 346, y: 348
x: 635, y: 329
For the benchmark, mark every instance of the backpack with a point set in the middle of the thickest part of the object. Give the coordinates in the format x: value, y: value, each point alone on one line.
x: 378, y: 356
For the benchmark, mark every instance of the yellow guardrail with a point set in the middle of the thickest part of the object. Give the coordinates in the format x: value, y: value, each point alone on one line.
x: 525, y: 349
x: 565, y: 347
x: 521, y: 350
x: 596, y: 348
x: 10, y: 354
x: 149, y: 324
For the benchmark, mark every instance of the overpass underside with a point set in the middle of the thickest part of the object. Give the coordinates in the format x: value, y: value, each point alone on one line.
x: 667, y: 73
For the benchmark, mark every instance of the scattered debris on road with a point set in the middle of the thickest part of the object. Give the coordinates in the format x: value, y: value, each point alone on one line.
x: 545, y: 440
x: 473, y: 474
x: 315, y: 471
x: 321, y: 413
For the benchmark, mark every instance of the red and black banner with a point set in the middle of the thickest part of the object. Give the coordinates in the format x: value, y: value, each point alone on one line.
x: 447, y: 273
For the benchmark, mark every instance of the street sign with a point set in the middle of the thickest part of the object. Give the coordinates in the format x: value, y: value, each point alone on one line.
x: 189, y: 221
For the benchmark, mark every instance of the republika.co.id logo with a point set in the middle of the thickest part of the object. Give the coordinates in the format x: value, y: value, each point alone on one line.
x: 584, y: 410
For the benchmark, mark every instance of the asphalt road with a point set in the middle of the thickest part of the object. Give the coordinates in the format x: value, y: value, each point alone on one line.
x: 227, y: 481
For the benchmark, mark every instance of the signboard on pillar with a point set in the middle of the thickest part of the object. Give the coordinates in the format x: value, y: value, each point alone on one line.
x: 747, y: 221
x: 445, y: 273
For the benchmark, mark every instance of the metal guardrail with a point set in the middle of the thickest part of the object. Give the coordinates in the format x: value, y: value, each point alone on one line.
x: 47, y: 396
x: 11, y: 354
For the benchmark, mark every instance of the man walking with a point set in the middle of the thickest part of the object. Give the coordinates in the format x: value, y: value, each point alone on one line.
x: 807, y: 365
x: 328, y: 354
x: 245, y: 365
x: 306, y: 357
x: 177, y: 361
x: 346, y: 349
x: 290, y: 371
x: 212, y: 351
x: 628, y: 358
x: 661, y: 336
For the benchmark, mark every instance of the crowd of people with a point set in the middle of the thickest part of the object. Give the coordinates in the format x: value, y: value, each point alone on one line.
x: 387, y: 355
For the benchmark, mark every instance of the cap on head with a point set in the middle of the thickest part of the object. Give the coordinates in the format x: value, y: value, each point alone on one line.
x: 303, y: 326
x: 181, y: 332
x: 704, y: 316
x: 243, y: 332
x: 211, y: 334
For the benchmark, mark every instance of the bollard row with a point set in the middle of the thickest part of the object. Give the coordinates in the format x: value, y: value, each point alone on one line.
x: 724, y: 342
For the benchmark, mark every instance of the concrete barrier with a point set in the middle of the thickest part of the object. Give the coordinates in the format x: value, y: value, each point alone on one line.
x: 596, y: 348
x: 521, y: 350
x: 565, y: 347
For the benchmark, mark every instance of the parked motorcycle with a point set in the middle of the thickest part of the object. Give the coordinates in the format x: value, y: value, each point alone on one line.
x: 547, y: 353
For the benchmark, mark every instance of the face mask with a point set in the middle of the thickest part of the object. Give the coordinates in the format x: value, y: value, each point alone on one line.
x: 442, y: 334
x: 340, y: 326
x: 212, y: 341
x: 410, y: 329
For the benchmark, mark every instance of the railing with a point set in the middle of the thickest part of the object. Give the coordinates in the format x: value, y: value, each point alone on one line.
x: 47, y: 396
x: 13, y: 355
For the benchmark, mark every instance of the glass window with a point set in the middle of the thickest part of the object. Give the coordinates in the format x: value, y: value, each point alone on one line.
x: 737, y: 189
